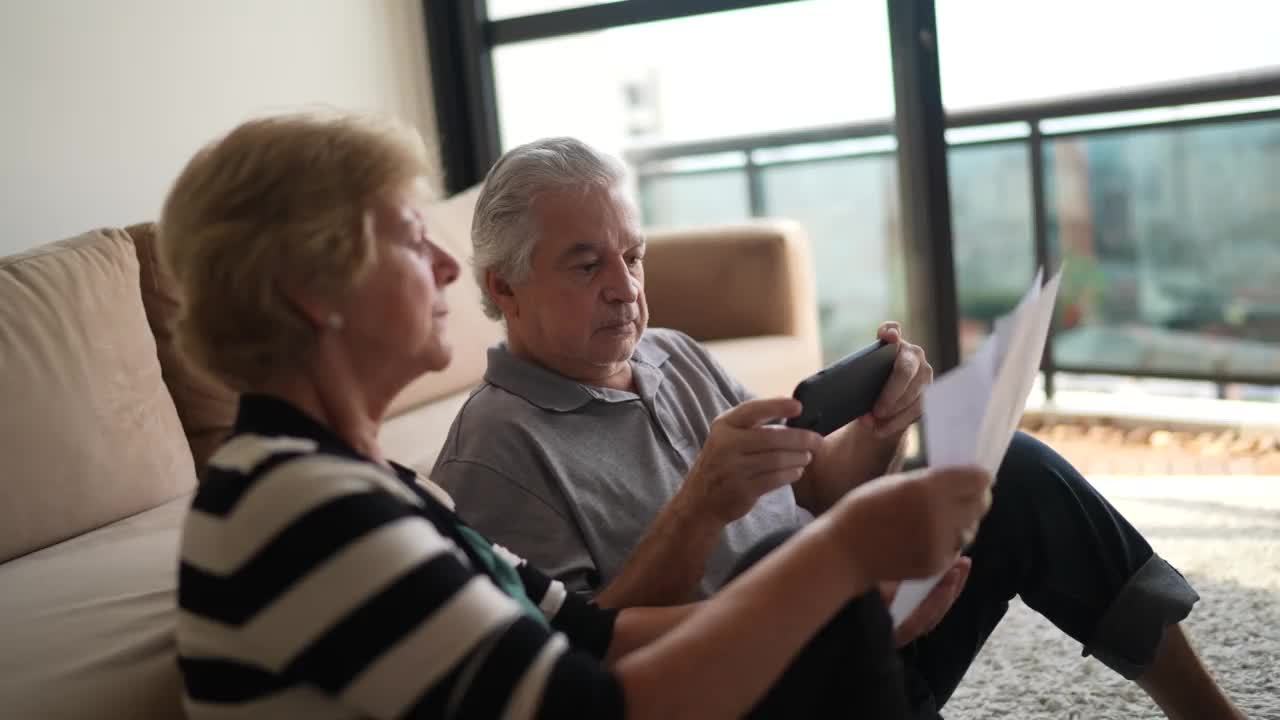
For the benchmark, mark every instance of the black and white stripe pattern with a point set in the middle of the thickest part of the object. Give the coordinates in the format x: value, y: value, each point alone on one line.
x: 320, y: 585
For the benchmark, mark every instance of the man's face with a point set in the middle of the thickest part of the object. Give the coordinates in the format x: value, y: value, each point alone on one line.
x: 582, y: 309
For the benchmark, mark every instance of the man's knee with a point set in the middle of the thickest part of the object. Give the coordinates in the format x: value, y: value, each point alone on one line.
x: 1041, y: 503
x: 1034, y: 486
x: 1030, y: 466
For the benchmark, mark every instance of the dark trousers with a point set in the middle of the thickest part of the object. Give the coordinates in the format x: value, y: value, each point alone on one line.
x: 1052, y: 540
x: 850, y: 669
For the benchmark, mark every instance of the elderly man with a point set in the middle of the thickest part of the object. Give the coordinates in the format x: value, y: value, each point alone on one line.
x: 601, y: 450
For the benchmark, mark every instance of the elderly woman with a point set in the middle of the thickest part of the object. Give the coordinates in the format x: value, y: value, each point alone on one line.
x: 320, y: 579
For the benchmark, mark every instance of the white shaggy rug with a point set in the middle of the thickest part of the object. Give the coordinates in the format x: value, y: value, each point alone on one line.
x: 1223, y: 533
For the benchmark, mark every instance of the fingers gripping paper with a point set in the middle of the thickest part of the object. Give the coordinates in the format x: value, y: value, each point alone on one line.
x: 972, y: 412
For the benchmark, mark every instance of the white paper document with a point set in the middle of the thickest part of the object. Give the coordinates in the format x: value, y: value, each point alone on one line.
x: 972, y: 412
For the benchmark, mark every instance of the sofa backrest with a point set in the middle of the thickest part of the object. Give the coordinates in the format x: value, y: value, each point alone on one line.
x: 745, y: 280
x: 88, y: 432
x: 207, y: 408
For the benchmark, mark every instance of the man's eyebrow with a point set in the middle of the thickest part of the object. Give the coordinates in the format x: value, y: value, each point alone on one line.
x: 579, y: 248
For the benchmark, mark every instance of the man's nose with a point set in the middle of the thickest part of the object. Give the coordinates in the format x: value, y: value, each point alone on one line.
x: 619, y: 284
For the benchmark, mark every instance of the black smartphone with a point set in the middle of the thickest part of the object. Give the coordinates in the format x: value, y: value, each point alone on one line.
x: 845, y: 390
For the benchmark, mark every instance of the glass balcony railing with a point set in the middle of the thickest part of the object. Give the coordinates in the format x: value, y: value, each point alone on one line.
x: 1163, y: 203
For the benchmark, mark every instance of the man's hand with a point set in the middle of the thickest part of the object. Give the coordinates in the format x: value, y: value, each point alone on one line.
x: 744, y: 459
x: 934, y: 607
x: 901, y: 402
x: 741, y: 460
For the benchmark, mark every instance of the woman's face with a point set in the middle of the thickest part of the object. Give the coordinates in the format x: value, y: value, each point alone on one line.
x: 396, y: 318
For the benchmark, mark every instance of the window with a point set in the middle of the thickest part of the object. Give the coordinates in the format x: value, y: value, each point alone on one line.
x: 1139, y: 141
x: 1170, y: 237
x: 992, y: 223
x: 748, y: 73
x: 1160, y: 210
x: 765, y: 69
x: 501, y: 9
x: 995, y: 52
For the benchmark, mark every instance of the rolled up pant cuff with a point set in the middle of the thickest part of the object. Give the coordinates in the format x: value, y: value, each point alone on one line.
x: 1129, y: 634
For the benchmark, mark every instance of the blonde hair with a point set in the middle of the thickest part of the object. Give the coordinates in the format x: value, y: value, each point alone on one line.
x: 279, y: 202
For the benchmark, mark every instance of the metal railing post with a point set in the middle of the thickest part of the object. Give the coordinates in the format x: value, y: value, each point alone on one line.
x: 755, y: 187
x: 1040, y: 224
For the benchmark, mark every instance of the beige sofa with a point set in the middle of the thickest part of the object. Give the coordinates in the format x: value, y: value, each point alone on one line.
x: 102, y: 429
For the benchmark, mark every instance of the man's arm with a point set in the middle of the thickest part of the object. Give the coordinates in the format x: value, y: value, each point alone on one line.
x: 847, y: 458
x: 669, y: 561
x: 741, y: 461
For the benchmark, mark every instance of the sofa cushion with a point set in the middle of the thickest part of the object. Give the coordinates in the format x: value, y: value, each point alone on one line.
x: 205, y: 405
x: 88, y: 624
x: 414, y: 438
x: 88, y: 432
x: 768, y: 365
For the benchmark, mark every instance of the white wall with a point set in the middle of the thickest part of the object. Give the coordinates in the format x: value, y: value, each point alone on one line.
x: 103, y: 101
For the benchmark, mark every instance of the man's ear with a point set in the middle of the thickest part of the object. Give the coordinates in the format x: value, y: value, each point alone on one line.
x: 502, y: 294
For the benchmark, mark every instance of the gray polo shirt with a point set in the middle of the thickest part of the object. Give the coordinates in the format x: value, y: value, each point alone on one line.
x: 571, y: 476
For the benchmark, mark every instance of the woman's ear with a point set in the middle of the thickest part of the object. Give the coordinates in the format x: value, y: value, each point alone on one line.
x: 306, y: 305
x: 502, y: 294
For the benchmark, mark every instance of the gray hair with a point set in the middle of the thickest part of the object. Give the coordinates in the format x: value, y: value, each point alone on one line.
x: 502, y: 233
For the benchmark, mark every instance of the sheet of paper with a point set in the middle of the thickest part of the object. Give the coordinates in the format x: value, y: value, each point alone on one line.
x: 972, y: 412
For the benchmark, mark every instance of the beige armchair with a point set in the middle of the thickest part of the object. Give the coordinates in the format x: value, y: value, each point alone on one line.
x: 747, y: 291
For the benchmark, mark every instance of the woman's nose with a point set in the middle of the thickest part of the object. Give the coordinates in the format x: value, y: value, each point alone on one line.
x: 445, y: 266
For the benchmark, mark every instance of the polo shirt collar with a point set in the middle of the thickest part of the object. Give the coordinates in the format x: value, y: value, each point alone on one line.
x: 648, y: 353
x: 551, y: 391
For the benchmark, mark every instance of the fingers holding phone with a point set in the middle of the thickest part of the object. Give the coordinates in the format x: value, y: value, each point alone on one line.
x: 901, y: 401
x: 744, y: 458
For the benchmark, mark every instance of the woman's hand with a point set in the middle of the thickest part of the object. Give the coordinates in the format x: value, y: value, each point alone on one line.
x: 912, y: 525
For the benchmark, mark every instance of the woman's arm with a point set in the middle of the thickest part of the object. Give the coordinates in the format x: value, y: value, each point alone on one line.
x: 720, y: 657
x: 382, y: 611
x: 638, y: 627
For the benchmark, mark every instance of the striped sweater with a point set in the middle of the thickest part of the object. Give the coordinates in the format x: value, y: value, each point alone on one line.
x: 315, y: 583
